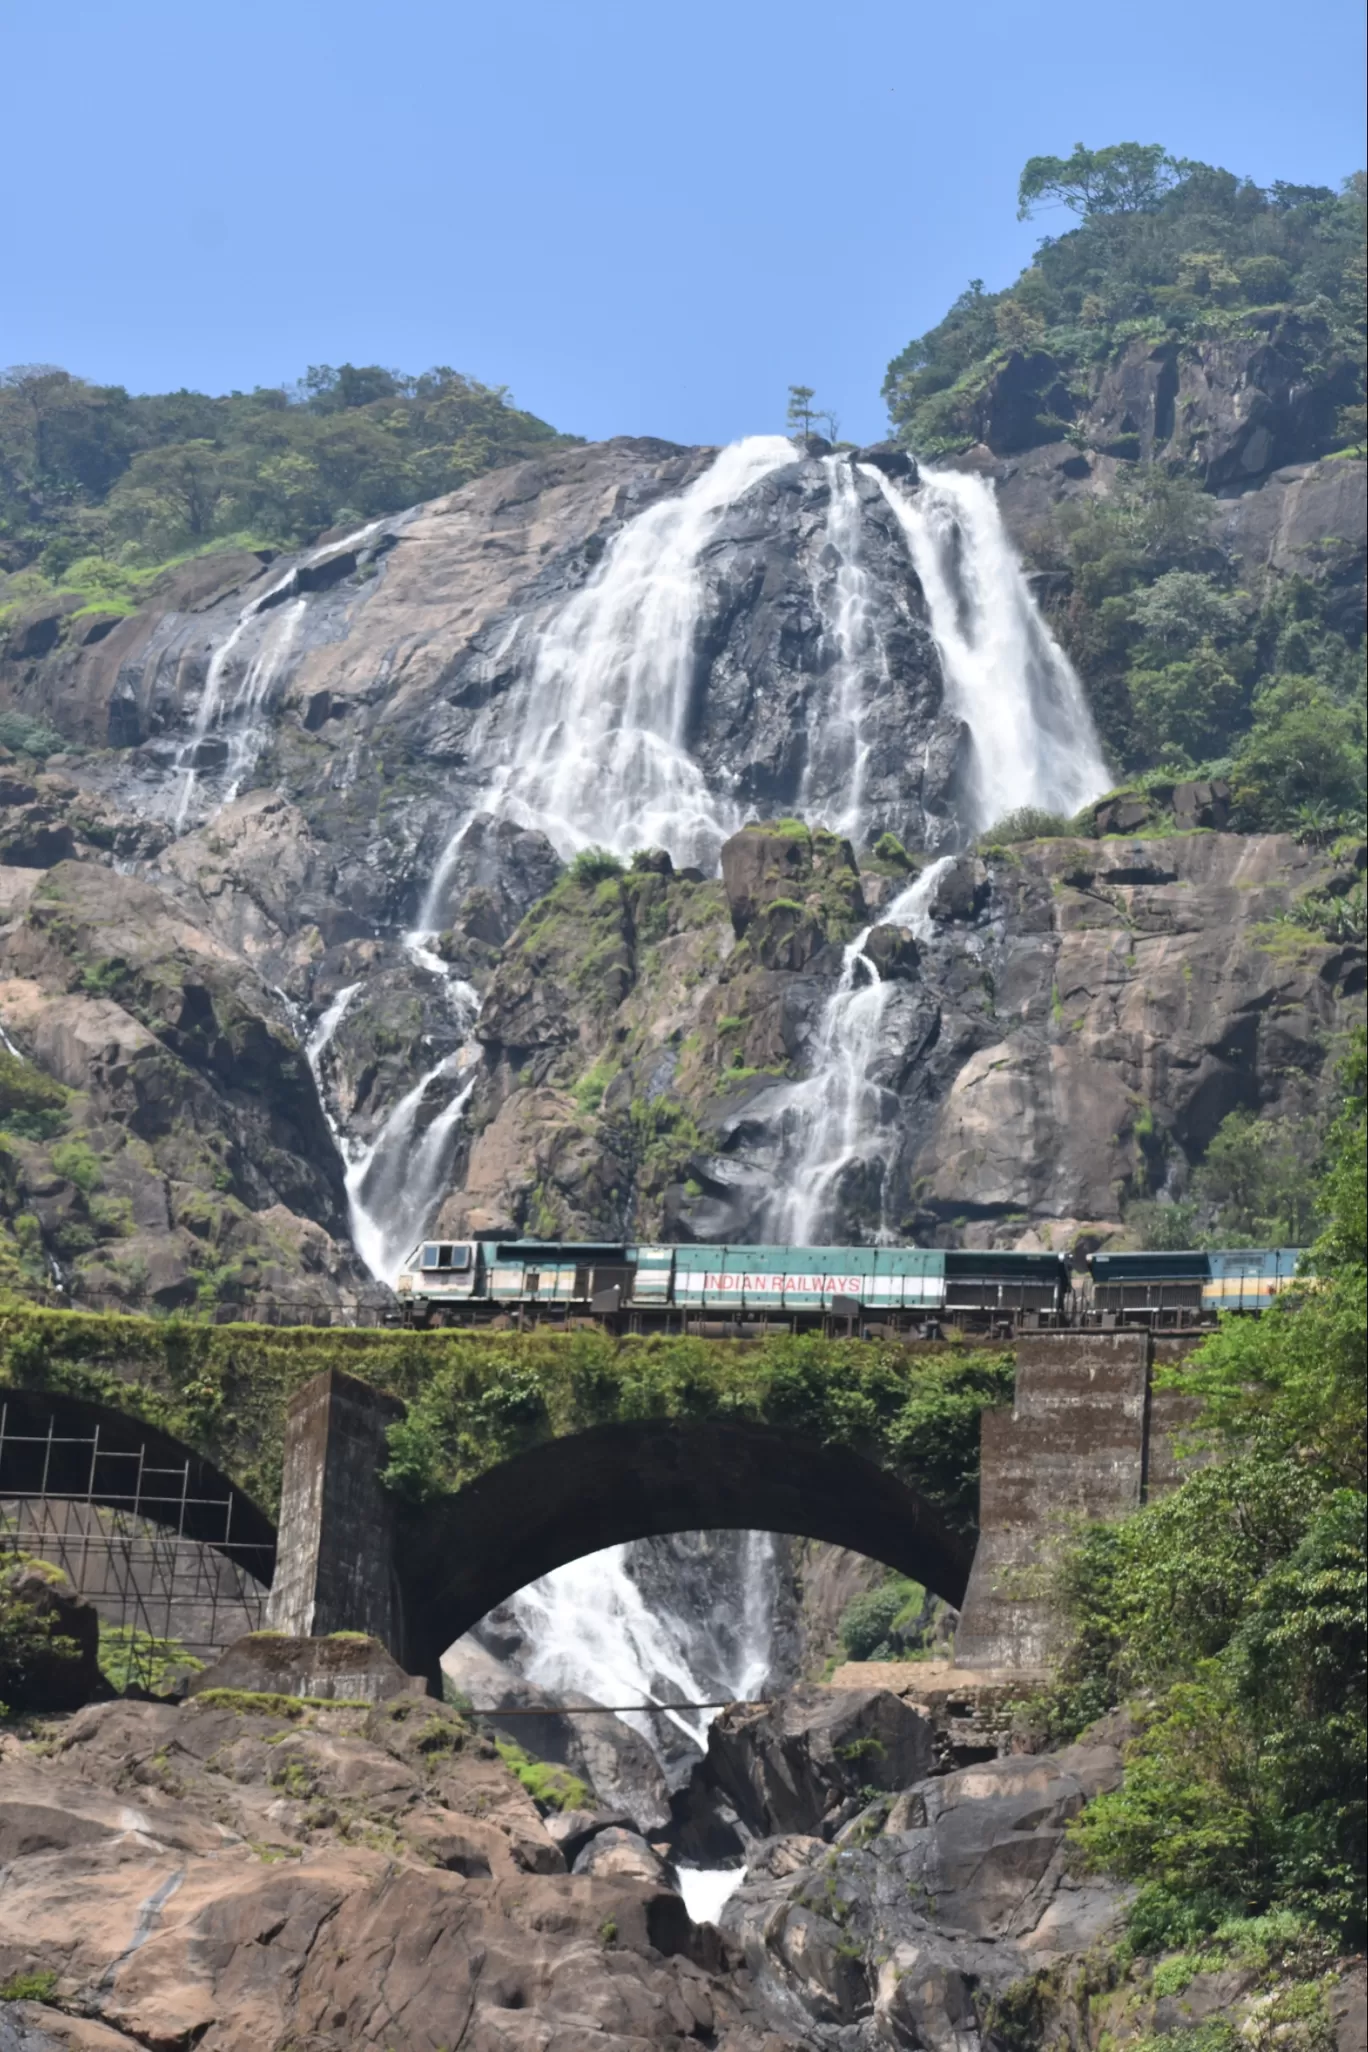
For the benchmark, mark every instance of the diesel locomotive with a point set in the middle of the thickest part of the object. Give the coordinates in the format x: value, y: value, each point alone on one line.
x: 743, y: 1292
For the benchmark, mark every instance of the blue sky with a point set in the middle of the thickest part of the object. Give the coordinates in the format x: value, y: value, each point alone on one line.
x: 643, y: 219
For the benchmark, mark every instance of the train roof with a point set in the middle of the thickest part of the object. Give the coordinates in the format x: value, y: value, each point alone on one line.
x: 1196, y: 1264
x: 762, y: 1258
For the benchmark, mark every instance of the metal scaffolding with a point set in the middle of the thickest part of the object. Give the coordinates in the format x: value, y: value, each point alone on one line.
x: 121, y: 1538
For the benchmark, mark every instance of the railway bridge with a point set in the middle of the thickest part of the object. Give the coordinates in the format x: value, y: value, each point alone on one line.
x: 1086, y: 1435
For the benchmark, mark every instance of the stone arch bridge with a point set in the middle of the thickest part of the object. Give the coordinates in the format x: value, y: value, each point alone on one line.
x: 1087, y: 1435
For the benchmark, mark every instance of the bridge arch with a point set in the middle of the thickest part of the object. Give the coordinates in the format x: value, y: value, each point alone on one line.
x: 59, y: 1447
x: 459, y: 1556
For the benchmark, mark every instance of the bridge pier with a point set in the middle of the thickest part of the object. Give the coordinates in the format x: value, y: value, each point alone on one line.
x: 335, y: 1567
x: 1086, y: 1438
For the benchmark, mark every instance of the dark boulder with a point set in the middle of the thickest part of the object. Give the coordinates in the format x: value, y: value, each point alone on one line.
x: 1124, y: 814
x: 894, y: 952
x: 890, y: 459
x: 961, y: 892
x: 1024, y: 403
x: 1202, y: 804
x: 787, y: 935
x: 759, y: 865
x: 798, y: 1764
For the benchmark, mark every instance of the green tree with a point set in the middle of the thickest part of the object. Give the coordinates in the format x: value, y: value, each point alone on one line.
x: 1304, y: 746
x: 1259, y: 1176
x: 1233, y: 1613
x: 1184, y: 609
x: 800, y: 411
x: 1186, y: 711
x: 1124, y: 178
x: 170, y: 498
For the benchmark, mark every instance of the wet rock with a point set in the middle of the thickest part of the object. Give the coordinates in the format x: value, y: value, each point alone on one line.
x: 893, y: 951
x: 961, y: 891
x: 797, y: 1764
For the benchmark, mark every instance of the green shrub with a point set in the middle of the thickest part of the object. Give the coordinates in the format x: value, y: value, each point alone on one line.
x: 75, y: 1160
x: 31, y: 1104
x: 595, y: 865
x: 1027, y: 823
x: 37, y: 1986
x: 867, y: 1621
x: 550, y: 1787
x: 128, y: 1656
x: 29, y: 737
x: 1304, y: 748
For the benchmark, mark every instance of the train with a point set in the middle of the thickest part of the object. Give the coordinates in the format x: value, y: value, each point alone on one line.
x: 875, y: 1292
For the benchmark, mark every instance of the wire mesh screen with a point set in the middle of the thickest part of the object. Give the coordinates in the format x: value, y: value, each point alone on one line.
x: 156, y: 1557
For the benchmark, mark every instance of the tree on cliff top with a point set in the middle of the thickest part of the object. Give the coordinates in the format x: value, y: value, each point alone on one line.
x: 1125, y: 178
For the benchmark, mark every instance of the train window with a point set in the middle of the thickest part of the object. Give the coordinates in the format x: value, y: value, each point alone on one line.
x: 436, y: 1254
x: 532, y: 1281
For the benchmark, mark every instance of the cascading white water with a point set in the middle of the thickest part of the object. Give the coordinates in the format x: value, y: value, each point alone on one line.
x: 1034, y: 742
x: 242, y: 711
x: 395, y: 1185
x: 601, y: 754
x: 589, y: 1631
x: 833, y: 1114
x: 837, y: 748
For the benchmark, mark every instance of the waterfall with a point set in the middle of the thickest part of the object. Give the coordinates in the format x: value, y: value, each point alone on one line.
x: 837, y: 749
x: 243, y: 711
x: 833, y: 1115
x: 1034, y: 742
x: 589, y: 1631
x: 601, y: 754
x: 395, y: 1185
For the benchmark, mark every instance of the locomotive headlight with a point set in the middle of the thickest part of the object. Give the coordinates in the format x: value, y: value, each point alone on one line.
x: 404, y: 1284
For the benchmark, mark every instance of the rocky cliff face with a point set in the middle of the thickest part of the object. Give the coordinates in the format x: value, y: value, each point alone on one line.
x: 244, y: 1872
x: 247, y: 1870
x: 280, y: 769
x: 1075, y: 1021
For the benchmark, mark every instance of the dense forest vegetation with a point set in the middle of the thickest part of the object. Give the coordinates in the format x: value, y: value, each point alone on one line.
x: 100, y: 487
x: 1230, y: 1617
x: 1165, y: 249
x: 1188, y: 672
